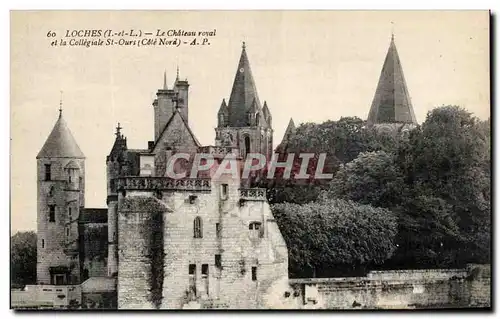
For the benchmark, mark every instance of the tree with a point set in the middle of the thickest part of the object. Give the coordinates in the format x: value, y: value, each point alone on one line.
x: 449, y: 158
x: 23, y: 258
x: 341, y: 141
x: 335, y: 237
x: 372, y: 178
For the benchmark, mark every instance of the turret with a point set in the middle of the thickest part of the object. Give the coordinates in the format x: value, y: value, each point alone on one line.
x: 61, y: 198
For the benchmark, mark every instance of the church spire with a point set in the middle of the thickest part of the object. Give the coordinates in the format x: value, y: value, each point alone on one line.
x: 243, y: 93
x: 391, y: 103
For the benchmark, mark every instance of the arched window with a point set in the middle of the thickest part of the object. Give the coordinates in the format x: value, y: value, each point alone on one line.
x: 198, y: 227
x: 247, y: 144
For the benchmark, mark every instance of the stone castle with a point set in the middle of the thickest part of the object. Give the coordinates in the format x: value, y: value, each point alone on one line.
x: 166, y: 243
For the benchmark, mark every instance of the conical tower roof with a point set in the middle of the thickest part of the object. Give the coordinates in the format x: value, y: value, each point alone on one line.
x: 243, y: 93
x: 60, y: 143
x: 392, y: 103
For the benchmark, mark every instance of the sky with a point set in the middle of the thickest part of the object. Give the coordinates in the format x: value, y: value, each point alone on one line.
x: 312, y: 66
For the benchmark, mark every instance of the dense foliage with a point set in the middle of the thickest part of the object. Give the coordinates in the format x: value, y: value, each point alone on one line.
x: 23, y: 259
x: 436, y: 181
x: 335, y: 232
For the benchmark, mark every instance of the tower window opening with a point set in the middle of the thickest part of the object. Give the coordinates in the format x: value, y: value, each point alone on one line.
x: 69, y: 211
x: 218, y: 261
x: 198, y: 227
x: 247, y: 144
x: 254, y: 273
x: 67, y: 231
x: 204, y: 270
x: 48, y: 176
x: 192, y: 269
x: 224, y: 191
x: 43, y: 243
x: 52, y: 213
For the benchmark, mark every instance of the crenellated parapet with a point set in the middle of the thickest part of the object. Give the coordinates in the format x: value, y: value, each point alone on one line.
x: 253, y: 194
x: 148, y: 183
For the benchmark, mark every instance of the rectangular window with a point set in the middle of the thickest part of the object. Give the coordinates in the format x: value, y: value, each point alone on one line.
x: 47, y: 172
x: 254, y: 273
x: 67, y: 231
x: 204, y: 270
x: 218, y: 230
x: 43, y: 243
x: 192, y: 269
x: 218, y: 261
x: 224, y: 191
x: 69, y: 178
x: 52, y: 213
x: 69, y: 211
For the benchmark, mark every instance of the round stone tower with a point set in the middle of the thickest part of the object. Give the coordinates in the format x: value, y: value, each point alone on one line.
x: 61, y: 197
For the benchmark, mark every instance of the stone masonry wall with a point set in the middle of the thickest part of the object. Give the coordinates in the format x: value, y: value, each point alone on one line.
x: 401, y: 289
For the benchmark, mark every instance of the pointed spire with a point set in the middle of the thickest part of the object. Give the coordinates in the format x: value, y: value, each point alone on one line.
x: 165, y: 87
x: 265, y: 110
x: 244, y: 92
x: 60, y: 143
x: 391, y: 103
x: 290, y: 129
x: 223, y: 107
x: 177, y: 77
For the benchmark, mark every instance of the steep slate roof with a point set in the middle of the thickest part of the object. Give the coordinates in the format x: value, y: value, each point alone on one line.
x: 60, y: 143
x: 289, y: 132
x: 392, y: 103
x: 243, y: 93
x: 176, y: 114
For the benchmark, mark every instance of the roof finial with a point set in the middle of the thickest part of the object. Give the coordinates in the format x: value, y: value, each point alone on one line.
x: 392, y: 30
x: 60, y: 103
x: 165, y: 87
x: 177, y: 78
x: 118, y: 128
x: 243, y: 45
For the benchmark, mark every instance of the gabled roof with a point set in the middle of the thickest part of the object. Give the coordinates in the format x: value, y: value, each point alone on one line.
x: 243, y: 93
x: 391, y: 103
x: 60, y: 143
x: 175, y: 115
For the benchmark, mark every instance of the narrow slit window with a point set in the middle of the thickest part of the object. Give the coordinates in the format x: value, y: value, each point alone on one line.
x: 254, y: 273
x: 69, y: 211
x: 43, y: 243
x: 48, y: 176
x: 52, y: 213
x: 198, y: 227
x: 218, y: 261
x: 224, y: 191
